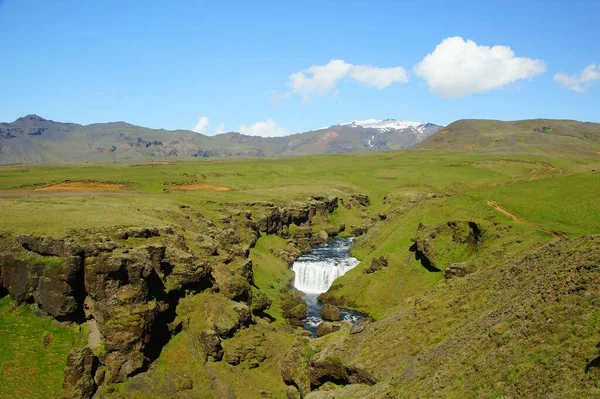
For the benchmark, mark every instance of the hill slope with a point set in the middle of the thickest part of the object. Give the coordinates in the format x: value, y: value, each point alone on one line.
x: 32, y: 139
x: 536, y: 136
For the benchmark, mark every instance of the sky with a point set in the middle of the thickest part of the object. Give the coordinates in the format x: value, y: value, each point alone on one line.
x: 275, y: 68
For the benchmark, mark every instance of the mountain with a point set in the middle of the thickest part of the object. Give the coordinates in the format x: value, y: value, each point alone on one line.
x: 535, y: 136
x: 33, y: 139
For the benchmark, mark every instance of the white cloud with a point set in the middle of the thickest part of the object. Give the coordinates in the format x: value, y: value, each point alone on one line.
x: 267, y: 128
x: 577, y: 83
x: 220, y: 129
x: 202, y: 125
x: 322, y: 79
x: 378, y: 77
x: 458, y: 67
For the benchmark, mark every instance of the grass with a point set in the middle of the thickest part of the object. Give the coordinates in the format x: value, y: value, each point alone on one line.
x: 33, y: 354
x: 406, y: 188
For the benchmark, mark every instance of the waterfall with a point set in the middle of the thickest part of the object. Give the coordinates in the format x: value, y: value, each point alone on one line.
x: 315, y: 272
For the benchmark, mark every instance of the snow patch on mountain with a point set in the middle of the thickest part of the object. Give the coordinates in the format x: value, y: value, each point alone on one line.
x: 385, y: 125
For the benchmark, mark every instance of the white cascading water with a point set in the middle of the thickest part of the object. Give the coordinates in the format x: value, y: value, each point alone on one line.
x: 315, y: 272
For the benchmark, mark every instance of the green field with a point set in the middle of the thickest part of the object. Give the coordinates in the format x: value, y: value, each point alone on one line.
x: 406, y: 189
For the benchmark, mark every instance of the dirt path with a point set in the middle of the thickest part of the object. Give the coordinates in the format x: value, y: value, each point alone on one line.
x: 557, y: 234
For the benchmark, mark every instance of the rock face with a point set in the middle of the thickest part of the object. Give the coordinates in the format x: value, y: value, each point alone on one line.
x: 330, y: 312
x: 79, y: 375
x: 53, y: 283
x: 118, y: 284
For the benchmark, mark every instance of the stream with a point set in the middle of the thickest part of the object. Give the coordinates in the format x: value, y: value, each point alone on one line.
x: 316, y: 271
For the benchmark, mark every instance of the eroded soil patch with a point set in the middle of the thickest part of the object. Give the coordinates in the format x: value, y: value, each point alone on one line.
x: 76, y: 186
x: 197, y: 187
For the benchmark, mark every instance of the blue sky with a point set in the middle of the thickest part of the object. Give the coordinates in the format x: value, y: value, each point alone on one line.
x: 165, y: 64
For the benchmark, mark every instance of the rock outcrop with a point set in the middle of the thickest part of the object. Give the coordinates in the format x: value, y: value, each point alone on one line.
x: 439, y: 246
x: 128, y: 283
x: 377, y: 264
x: 79, y: 375
x: 307, y: 369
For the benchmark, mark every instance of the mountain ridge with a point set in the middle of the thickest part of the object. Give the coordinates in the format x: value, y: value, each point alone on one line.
x: 33, y: 139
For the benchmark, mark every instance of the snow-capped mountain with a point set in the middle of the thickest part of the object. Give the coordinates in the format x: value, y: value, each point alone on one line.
x: 386, y: 134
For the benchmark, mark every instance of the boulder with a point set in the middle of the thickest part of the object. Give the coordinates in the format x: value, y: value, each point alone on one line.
x: 260, y: 302
x: 377, y: 264
x: 362, y: 199
x: 320, y: 238
x: 457, y: 270
x: 359, y: 326
x: 327, y: 327
x: 231, y: 284
x: 330, y: 312
x: 297, y: 312
x: 358, y: 231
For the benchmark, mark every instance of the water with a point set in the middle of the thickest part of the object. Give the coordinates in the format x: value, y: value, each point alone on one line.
x: 315, y: 272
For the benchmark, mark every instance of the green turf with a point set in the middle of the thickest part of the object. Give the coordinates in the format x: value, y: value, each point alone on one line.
x: 33, y: 352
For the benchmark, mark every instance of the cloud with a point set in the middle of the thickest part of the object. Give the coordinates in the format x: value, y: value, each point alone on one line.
x: 267, y: 128
x: 459, y: 67
x: 323, y: 79
x: 202, y: 125
x: 220, y: 129
x: 578, y: 83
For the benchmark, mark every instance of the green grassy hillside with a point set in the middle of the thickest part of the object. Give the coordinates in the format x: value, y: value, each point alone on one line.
x: 537, y: 136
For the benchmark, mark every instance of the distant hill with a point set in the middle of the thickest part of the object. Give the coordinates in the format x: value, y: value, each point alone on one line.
x: 33, y: 139
x: 536, y: 136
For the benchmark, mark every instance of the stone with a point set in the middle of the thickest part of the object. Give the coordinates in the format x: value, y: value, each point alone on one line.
x: 377, y: 264
x: 359, y: 326
x: 362, y: 199
x: 330, y: 312
x: 327, y: 327
x: 260, y: 302
x: 297, y: 312
x: 456, y: 270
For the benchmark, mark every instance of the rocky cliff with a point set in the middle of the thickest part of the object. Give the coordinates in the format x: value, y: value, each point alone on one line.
x: 136, y: 288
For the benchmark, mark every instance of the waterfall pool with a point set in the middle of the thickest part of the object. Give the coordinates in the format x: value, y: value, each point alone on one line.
x: 316, y: 271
